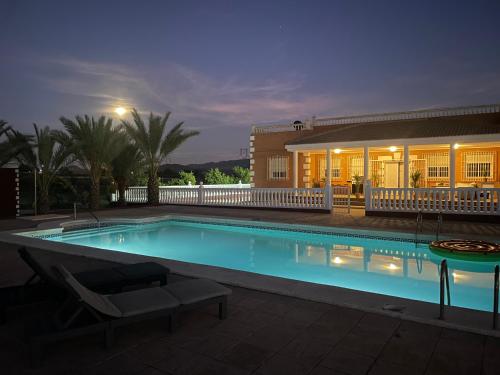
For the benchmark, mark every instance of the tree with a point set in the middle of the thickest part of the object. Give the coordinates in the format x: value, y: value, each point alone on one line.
x: 184, y: 179
x: 241, y: 174
x: 45, y: 156
x: 94, y: 144
x: 155, y: 145
x: 124, y: 166
x: 215, y: 176
x: 12, y: 145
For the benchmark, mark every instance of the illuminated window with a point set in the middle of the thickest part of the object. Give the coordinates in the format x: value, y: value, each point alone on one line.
x: 277, y: 167
x: 478, y: 165
x: 335, y: 167
x: 438, y: 165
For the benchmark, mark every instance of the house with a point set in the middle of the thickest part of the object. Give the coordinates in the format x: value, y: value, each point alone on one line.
x: 448, y: 147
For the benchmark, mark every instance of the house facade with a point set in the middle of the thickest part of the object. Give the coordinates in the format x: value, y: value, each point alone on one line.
x: 450, y: 147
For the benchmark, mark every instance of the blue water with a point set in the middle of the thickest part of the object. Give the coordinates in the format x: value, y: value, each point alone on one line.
x: 380, y: 266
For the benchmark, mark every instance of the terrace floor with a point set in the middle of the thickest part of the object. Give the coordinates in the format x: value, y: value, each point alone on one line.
x: 264, y: 333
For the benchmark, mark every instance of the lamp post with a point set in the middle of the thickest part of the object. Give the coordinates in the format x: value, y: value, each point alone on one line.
x: 35, y: 172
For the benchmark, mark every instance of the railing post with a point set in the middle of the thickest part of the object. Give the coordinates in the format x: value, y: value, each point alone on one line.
x: 201, y: 194
x: 368, y: 192
x: 495, y: 297
x: 74, y: 210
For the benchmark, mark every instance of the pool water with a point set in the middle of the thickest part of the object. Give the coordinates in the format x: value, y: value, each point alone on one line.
x: 390, y: 267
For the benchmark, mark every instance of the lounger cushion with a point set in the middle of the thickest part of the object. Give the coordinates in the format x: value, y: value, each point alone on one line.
x: 142, y: 301
x: 144, y: 270
x: 196, y: 290
x: 100, y: 278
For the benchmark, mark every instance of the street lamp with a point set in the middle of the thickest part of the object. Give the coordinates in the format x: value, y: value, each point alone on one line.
x: 35, y: 172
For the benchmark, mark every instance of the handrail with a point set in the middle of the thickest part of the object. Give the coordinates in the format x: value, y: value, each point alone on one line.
x: 495, y: 296
x: 88, y: 210
x: 439, y: 224
x: 444, y: 283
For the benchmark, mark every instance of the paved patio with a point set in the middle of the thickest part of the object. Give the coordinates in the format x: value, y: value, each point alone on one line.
x: 265, y: 333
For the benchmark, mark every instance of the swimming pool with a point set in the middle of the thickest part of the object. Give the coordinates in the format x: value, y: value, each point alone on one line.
x: 394, y: 266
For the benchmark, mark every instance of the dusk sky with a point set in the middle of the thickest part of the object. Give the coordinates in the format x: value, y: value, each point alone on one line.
x: 221, y: 66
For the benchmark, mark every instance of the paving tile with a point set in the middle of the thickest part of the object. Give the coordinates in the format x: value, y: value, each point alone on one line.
x: 178, y: 361
x: 365, y: 341
x: 411, y: 329
x: 387, y: 368
x: 272, y: 338
x: 455, y: 349
x: 303, y: 315
x: 492, y: 350
x: 120, y: 364
x: 410, y: 349
x: 441, y: 365
x: 320, y: 370
x: 307, y: 351
x: 349, y: 362
x: 280, y: 364
x: 246, y: 356
x: 214, y: 346
x: 379, y: 323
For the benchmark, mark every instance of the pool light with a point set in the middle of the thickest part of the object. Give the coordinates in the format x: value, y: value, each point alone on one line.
x: 338, y: 260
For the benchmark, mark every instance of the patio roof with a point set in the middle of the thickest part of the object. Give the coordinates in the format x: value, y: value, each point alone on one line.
x: 482, y: 124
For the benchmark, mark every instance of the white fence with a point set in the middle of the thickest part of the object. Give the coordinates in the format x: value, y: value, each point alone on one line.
x: 450, y: 201
x: 228, y: 195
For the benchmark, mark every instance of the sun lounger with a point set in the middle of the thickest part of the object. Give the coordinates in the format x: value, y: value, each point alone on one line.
x: 44, y: 286
x: 110, y: 311
x: 108, y: 280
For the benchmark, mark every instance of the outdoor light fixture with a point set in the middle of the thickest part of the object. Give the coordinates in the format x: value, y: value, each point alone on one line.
x: 392, y: 266
x: 337, y: 150
x: 456, y: 145
x: 393, y: 149
x: 120, y: 111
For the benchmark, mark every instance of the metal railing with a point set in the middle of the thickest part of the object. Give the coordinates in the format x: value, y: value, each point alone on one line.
x: 444, y: 286
x: 75, y: 204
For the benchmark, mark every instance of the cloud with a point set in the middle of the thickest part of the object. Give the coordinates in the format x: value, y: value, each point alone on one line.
x: 190, y: 94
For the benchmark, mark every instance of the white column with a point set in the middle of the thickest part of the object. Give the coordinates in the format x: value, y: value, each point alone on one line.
x: 406, y: 166
x: 295, y: 169
x: 366, y: 165
x: 452, y: 166
x: 328, y: 181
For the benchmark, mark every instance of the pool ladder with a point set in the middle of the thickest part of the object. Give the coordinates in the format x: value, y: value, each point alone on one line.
x: 444, y: 287
x: 89, y: 211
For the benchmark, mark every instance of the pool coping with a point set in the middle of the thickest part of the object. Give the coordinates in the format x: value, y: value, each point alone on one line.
x: 469, y: 320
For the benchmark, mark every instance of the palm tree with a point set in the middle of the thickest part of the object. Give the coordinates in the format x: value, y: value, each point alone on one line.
x: 94, y: 144
x: 45, y: 156
x: 127, y: 163
x: 155, y: 145
x: 8, y: 149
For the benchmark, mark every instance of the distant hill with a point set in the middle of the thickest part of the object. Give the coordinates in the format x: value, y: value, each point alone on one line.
x: 226, y: 166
